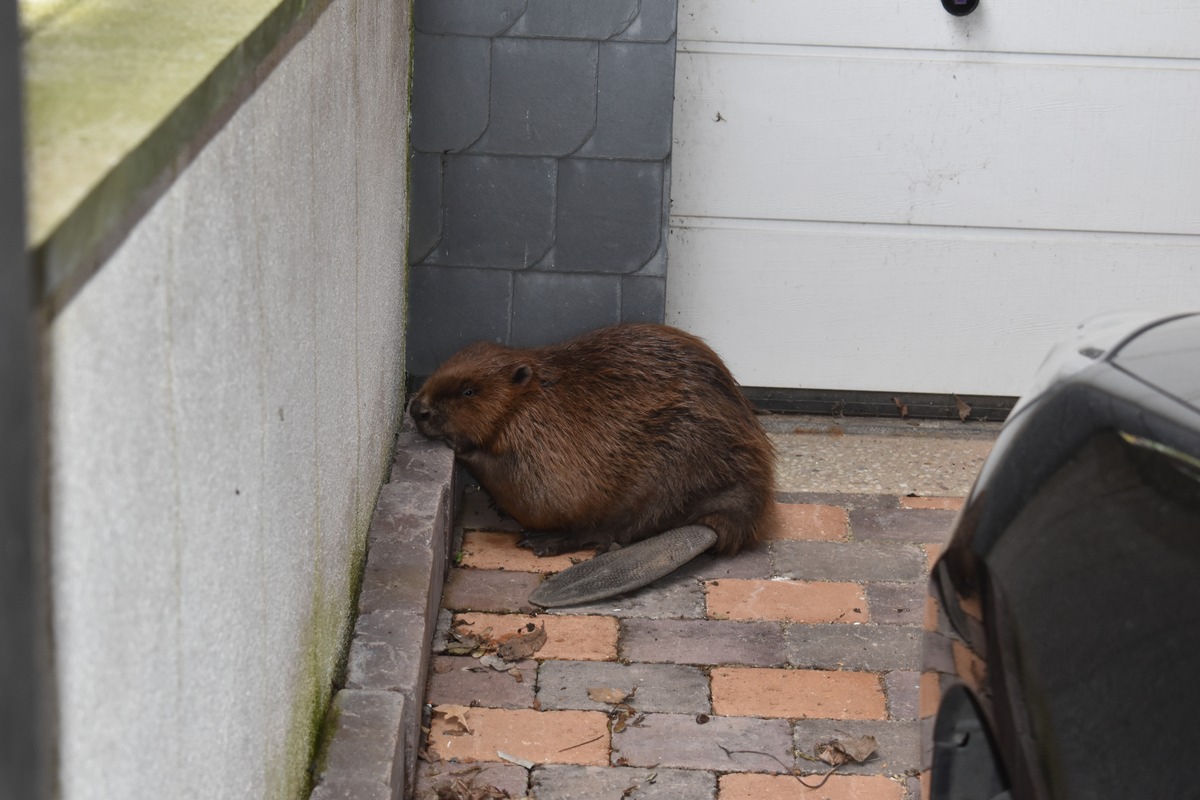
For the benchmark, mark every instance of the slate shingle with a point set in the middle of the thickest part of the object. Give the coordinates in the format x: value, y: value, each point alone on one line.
x: 608, y: 215
x: 543, y: 97
x: 552, y: 306
x: 576, y: 19
x: 497, y: 212
x: 467, y: 17
x: 643, y: 299
x: 450, y: 97
x: 425, y: 205
x: 636, y: 82
x: 655, y: 22
x: 450, y: 308
x: 541, y: 135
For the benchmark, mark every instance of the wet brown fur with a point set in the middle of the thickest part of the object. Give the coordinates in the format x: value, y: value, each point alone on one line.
x: 608, y: 438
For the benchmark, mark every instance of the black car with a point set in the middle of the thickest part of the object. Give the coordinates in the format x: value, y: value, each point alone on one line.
x: 1067, y: 649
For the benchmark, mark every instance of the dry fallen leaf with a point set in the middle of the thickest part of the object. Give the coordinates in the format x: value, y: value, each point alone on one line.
x: 964, y: 410
x: 510, y: 758
x: 903, y: 408
x: 620, y: 714
x: 456, y: 724
x: 495, y: 662
x: 464, y: 643
x: 523, y: 645
x: 607, y: 694
x: 838, y: 751
x: 458, y: 789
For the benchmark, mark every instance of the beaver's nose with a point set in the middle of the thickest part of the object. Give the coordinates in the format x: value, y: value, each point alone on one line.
x: 418, y: 409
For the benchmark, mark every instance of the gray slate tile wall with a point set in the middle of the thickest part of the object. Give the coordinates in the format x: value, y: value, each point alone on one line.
x: 541, y: 152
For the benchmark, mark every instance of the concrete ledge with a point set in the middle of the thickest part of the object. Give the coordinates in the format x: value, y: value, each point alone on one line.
x: 117, y: 94
x: 373, y: 726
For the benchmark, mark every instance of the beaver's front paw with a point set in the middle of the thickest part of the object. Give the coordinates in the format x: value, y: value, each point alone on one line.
x: 549, y: 544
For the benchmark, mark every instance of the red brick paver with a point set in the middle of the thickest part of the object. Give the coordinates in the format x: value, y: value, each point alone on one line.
x: 942, y: 503
x: 785, y: 787
x: 811, y: 522
x: 797, y: 693
x: 582, y: 638
x: 791, y: 601
x: 545, y: 737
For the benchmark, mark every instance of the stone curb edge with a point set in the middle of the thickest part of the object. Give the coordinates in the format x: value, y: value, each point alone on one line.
x: 372, y: 728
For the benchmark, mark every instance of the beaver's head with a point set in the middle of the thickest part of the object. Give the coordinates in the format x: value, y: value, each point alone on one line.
x: 466, y: 401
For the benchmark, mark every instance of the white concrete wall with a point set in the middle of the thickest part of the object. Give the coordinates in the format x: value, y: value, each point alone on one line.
x: 224, y: 396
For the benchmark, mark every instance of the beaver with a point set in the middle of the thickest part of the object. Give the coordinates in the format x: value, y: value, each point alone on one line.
x: 606, y: 439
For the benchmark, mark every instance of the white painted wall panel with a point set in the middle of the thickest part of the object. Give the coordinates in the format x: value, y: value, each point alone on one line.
x: 900, y: 308
x: 884, y: 197
x: 896, y: 137
x: 1098, y: 27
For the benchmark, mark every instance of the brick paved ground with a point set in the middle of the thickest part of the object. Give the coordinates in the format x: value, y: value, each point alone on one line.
x: 735, y: 668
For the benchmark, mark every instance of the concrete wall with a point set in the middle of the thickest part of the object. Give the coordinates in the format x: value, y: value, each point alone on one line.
x: 541, y: 169
x: 224, y: 393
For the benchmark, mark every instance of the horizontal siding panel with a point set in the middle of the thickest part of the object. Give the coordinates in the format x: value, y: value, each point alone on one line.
x: 984, y: 141
x: 1099, y: 27
x: 907, y: 308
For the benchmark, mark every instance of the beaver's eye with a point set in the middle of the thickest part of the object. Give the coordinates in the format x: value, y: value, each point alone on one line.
x: 468, y: 391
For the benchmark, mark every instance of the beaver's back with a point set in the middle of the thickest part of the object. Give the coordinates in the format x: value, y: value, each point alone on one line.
x: 622, y: 433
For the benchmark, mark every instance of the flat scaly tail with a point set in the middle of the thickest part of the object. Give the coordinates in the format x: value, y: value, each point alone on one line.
x: 626, y: 569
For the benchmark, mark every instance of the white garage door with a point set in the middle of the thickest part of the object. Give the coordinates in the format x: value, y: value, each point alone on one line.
x: 880, y: 196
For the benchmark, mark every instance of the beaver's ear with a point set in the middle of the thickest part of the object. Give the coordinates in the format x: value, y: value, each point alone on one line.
x: 521, y: 375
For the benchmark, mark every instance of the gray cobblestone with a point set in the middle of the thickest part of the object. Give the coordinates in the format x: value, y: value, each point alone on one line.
x: 680, y: 740
x: 897, y: 751
x: 656, y: 687
x: 870, y: 648
x: 462, y: 680
x: 754, y: 563
x: 896, y: 603
x: 848, y: 561
x: 903, y: 525
x: 676, y: 596
x: 759, y: 644
x: 903, y: 694
x: 553, y: 782
x: 488, y: 590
